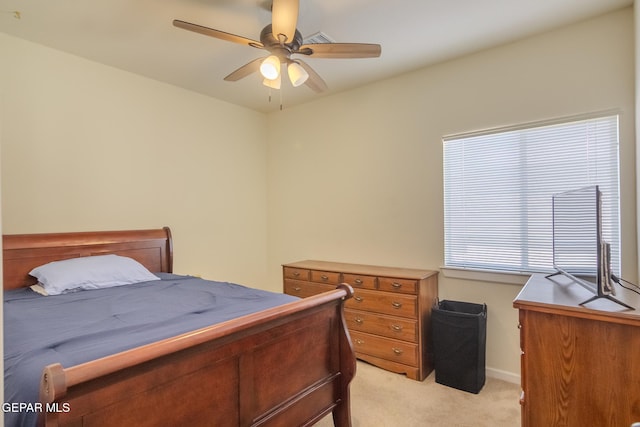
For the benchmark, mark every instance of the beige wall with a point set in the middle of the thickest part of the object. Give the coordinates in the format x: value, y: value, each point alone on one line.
x: 87, y: 147
x: 357, y: 177
x: 1, y: 271
x: 636, y: 11
x: 352, y: 177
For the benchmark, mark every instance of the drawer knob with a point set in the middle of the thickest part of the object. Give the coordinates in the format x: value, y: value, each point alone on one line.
x: 396, y: 285
x: 359, y: 342
x: 359, y: 321
x: 358, y: 299
x: 324, y: 277
x: 296, y: 273
x: 396, y: 304
x: 358, y: 282
x: 397, y: 351
x: 297, y: 289
x: 396, y: 328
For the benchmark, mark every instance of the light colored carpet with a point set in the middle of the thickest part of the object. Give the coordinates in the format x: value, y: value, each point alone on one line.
x: 383, y: 399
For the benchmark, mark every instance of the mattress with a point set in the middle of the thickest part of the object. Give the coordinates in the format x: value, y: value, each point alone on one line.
x: 81, y: 326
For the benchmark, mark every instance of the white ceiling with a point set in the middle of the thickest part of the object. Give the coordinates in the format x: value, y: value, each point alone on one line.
x: 138, y: 36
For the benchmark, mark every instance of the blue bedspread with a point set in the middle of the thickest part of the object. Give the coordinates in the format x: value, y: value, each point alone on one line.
x: 78, y: 327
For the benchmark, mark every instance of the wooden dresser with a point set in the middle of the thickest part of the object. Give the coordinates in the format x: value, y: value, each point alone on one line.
x: 580, y: 365
x: 389, y: 317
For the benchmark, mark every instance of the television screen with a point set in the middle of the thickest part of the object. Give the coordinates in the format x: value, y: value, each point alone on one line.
x: 579, y: 251
x: 577, y: 235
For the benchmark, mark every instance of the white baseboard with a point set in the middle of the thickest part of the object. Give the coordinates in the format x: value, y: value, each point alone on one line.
x: 503, y: 375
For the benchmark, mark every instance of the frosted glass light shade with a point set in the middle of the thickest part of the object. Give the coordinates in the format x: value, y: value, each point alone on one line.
x: 273, y: 84
x: 270, y: 67
x: 297, y: 74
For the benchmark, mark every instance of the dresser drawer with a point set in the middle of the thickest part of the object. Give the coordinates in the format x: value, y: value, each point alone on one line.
x: 385, y: 348
x: 305, y: 289
x: 384, y: 302
x: 296, y: 273
x: 359, y: 281
x: 405, y: 286
x: 387, y: 326
x: 329, y: 277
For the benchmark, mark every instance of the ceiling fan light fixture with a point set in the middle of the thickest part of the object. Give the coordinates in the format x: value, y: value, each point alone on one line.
x: 270, y: 67
x: 297, y: 74
x: 273, y: 84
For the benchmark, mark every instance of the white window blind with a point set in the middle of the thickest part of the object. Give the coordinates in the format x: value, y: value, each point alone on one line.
x: 498, y: 188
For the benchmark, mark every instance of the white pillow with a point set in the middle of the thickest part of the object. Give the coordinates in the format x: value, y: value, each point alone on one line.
x: 91, y: 272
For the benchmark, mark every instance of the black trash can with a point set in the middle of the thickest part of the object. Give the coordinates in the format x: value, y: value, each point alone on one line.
x: 459, y: 333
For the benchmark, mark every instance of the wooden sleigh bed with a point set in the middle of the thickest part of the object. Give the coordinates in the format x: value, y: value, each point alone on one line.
x: 285, y: 366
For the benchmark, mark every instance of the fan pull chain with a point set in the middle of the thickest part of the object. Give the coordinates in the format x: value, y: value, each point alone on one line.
x: 280, y: 90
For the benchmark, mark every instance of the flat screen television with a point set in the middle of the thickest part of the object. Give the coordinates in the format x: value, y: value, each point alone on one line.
x: 579, y: 251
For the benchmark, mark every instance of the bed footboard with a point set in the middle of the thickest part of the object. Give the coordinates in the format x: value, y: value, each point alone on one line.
x: 285, y: 366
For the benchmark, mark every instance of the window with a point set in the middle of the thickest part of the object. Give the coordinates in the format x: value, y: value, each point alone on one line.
x: 498, y: 187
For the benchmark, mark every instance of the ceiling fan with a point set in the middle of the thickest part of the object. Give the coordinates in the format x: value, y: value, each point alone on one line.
x: 282, y: 40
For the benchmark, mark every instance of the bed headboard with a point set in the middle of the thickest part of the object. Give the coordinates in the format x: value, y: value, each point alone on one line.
x: 23, y: 252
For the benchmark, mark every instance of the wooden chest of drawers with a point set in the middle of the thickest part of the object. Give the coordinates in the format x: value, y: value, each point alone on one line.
x: 389, y: 317
x: 579, y: 363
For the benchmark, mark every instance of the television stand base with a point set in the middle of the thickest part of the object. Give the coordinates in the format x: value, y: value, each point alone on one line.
x: 609, y: 297
x: 593, y: 298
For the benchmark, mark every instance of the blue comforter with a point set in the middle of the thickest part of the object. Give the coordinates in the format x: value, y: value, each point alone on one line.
x: 78, y: 327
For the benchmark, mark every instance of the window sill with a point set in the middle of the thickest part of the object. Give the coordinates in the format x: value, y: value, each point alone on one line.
x: 493, y: 276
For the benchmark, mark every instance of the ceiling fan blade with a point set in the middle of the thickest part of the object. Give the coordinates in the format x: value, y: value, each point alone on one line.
x: 284, y: 19
x: 314, y: 81
x: 245, y: 70
x: 217, y: 33
x: 341, y: 50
